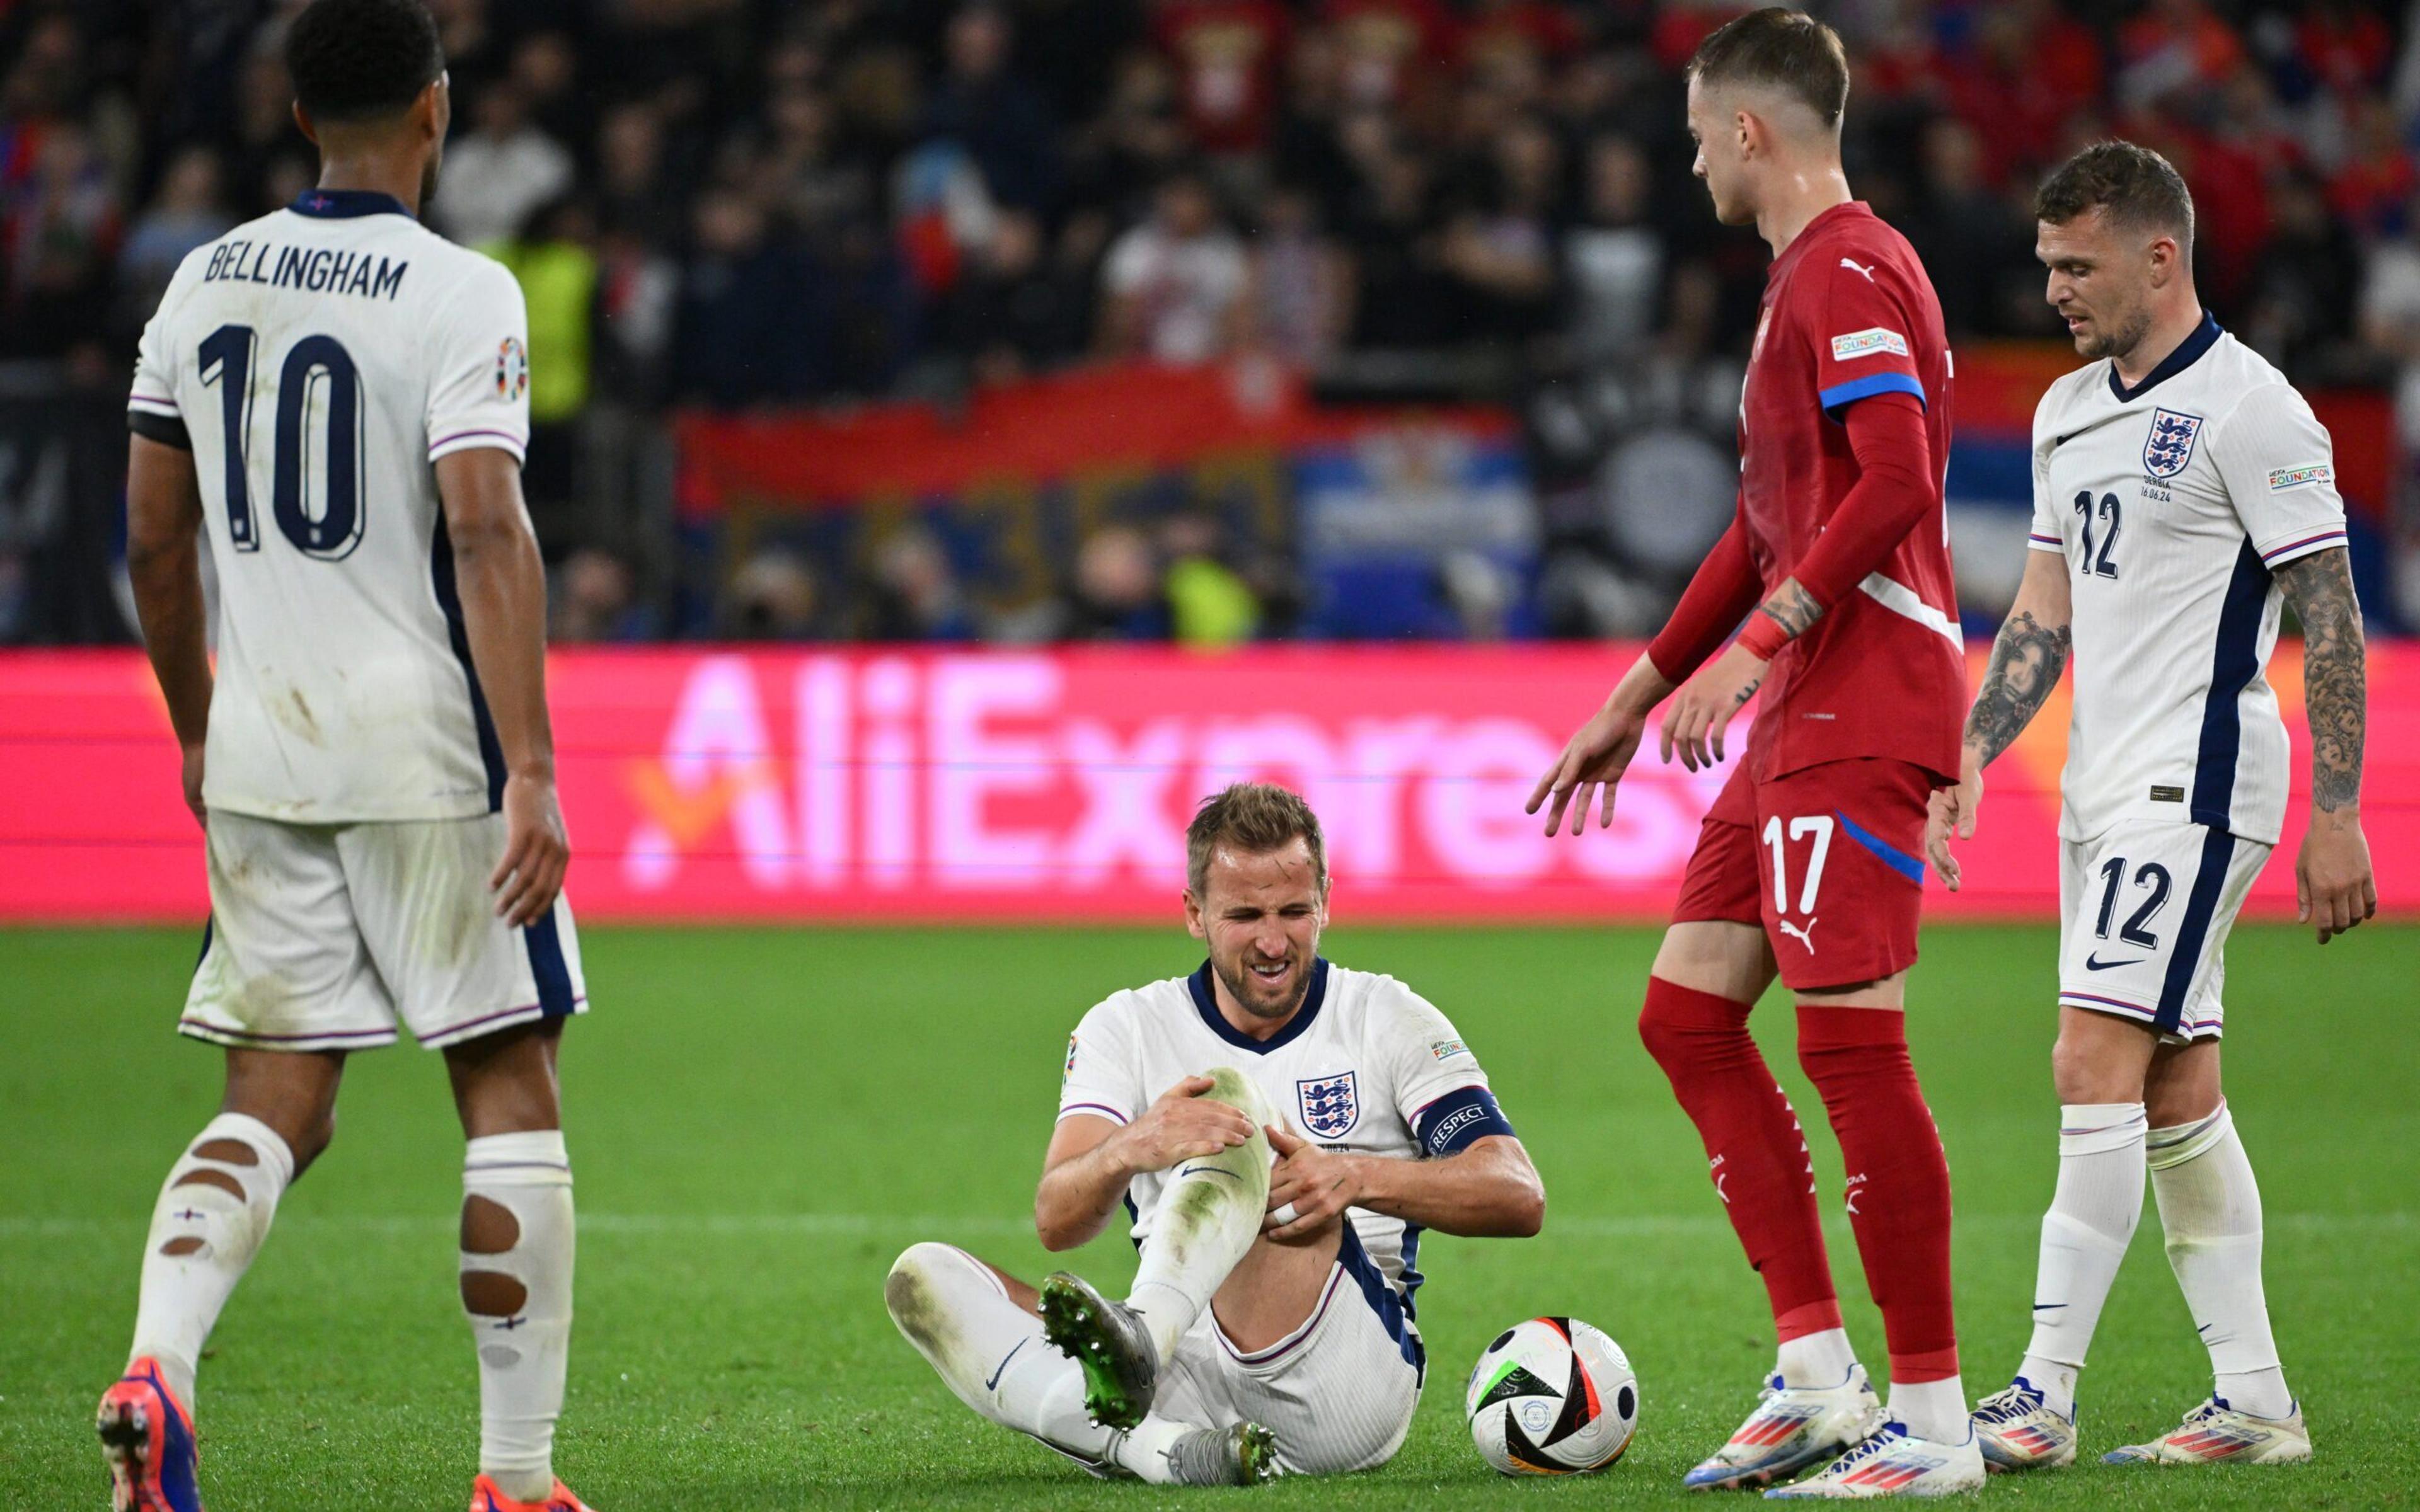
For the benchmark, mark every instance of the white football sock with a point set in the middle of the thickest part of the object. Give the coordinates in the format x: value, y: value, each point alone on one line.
x: 2084, y: 1237
x: 1823, y: 1358
x: 2209, y: 1206
x: 992, y: 1356
x: 523, y: 1356
x: 1932, y: 1410
x: 1208, y: 1215
x: 213, y: 1234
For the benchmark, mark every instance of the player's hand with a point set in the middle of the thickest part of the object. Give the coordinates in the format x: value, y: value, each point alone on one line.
x: 193, y: 784
x: 1696, y: 718
x: 1309, y: 1188
x: 1593, y: 762
x: 1183, y: 1125
x: 1953, y: 812
x: 537, y: 854
x: 2333, y: 886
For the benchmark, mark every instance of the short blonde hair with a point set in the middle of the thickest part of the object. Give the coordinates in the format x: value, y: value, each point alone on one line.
x: 1255, y: 818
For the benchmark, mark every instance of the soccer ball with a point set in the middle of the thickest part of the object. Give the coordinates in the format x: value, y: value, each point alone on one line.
x: 1552, y: 1396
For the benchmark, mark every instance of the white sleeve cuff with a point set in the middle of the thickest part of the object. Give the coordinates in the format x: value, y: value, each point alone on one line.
x: 473, y: 437
x: 2301, y: 544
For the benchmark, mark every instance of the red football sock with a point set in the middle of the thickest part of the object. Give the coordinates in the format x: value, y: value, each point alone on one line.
x: 1898, y: 1179
x: 1760, y: 1167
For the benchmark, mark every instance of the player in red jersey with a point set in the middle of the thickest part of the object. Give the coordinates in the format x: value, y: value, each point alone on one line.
x: 1808, y: 864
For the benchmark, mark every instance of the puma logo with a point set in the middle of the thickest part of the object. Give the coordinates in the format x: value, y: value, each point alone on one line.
x: 1854, y: 1182
x: 1854, y: 268
x: 1804, y: 937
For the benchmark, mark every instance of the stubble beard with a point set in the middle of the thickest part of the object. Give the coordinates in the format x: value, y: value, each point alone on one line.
x: 2119, y: 342
x: 1242, y: 986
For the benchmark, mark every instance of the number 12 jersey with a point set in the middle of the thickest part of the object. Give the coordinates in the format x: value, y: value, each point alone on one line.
x: 316, y: 363
x: 2172, y: 501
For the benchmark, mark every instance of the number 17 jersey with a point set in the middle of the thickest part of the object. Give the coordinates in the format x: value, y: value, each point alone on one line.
x: 2172, y: 503
x: 316, y: 363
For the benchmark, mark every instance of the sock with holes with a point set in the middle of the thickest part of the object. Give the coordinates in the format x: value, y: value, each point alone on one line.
x: 1899, y: 1202
x: 2209, y: 1206
x: 1757, y: 1156
x: 1208, y: 1215
x: 2084, y: 1237
x: 517, y: 1292
x: 211, y: 1216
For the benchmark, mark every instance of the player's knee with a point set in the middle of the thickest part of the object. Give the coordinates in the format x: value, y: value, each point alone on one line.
x: 909, y: 1291
x: 2080, y: 1072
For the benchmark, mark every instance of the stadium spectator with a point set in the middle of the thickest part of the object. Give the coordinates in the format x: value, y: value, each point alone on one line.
x: 1613, y: 259
x: 1177, y: 285
x: 1209, y: 604
x: 998, y: 117
x: 1117, y: 594
x: 499, y: 175
x: 915, y: 592
x: 185, y: 213
x: 1302, y: 284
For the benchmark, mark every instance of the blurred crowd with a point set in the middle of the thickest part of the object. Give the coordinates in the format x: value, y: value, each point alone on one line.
x: 739, y: 204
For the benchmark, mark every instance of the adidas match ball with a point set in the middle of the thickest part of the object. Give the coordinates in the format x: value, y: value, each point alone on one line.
x: 1552, y: 1396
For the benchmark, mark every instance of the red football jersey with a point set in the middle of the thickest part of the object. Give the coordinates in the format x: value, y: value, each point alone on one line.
x: 1849, y: 314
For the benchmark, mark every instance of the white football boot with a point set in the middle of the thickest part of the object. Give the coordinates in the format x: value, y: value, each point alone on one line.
x: 1792, y: 1427
x: 1893, y: 1462
x: 2019, y: 1430
x: 2215, y: 1433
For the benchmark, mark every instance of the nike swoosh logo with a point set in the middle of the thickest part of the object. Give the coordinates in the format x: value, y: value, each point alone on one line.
x: 2048, y: 1307
x: 993, y: 1384
x: 2094, y: 962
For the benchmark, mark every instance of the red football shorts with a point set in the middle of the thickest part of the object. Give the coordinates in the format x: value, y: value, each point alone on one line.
x: 1827, y: 859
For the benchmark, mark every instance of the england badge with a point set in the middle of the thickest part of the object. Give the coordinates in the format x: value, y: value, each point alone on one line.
x: 1330, y: 1105
x: 2170, y: 446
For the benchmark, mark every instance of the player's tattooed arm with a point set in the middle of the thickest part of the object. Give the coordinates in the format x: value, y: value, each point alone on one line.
x: 1792, y: 608
x: 2335, y: 675
x: 2026, y: 661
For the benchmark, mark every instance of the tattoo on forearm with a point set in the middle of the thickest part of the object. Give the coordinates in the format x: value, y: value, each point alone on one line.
x: 2026, y: 661
x: 1792, y: 608
x: 1746, y: 693
x: 2334, y: 680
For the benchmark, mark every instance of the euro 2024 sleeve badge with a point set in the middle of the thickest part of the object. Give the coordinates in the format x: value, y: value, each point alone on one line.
x: 512, y: 370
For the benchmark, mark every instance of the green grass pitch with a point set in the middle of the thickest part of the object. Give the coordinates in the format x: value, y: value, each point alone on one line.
x: 762, y: 1120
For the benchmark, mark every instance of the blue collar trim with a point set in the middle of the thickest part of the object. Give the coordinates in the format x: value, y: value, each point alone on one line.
x: 345, y: 204
x: 2187, y: 353
x: 1206, y: 1002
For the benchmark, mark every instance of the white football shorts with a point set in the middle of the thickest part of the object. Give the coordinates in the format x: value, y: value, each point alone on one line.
x: 329, y: 937
x: 1337, y: 1393
x: 2144, y: 913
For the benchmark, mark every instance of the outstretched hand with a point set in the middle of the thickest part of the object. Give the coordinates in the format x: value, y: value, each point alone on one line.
x: 1696, y: 718
x: 1593, y: 762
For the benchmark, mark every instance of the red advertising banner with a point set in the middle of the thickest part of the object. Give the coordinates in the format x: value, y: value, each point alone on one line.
x: 860, y: 785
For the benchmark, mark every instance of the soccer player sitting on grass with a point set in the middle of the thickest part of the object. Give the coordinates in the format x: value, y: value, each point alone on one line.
x: 1281, y: 1130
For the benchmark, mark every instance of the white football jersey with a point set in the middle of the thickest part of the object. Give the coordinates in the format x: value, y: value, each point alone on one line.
x: 1367, y: 1066
x: 316, y: 362
x: 2172, y: 501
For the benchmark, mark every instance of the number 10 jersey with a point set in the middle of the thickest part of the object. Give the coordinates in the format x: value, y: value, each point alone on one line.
x: 2172, y: 503
x: 318, y: 361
